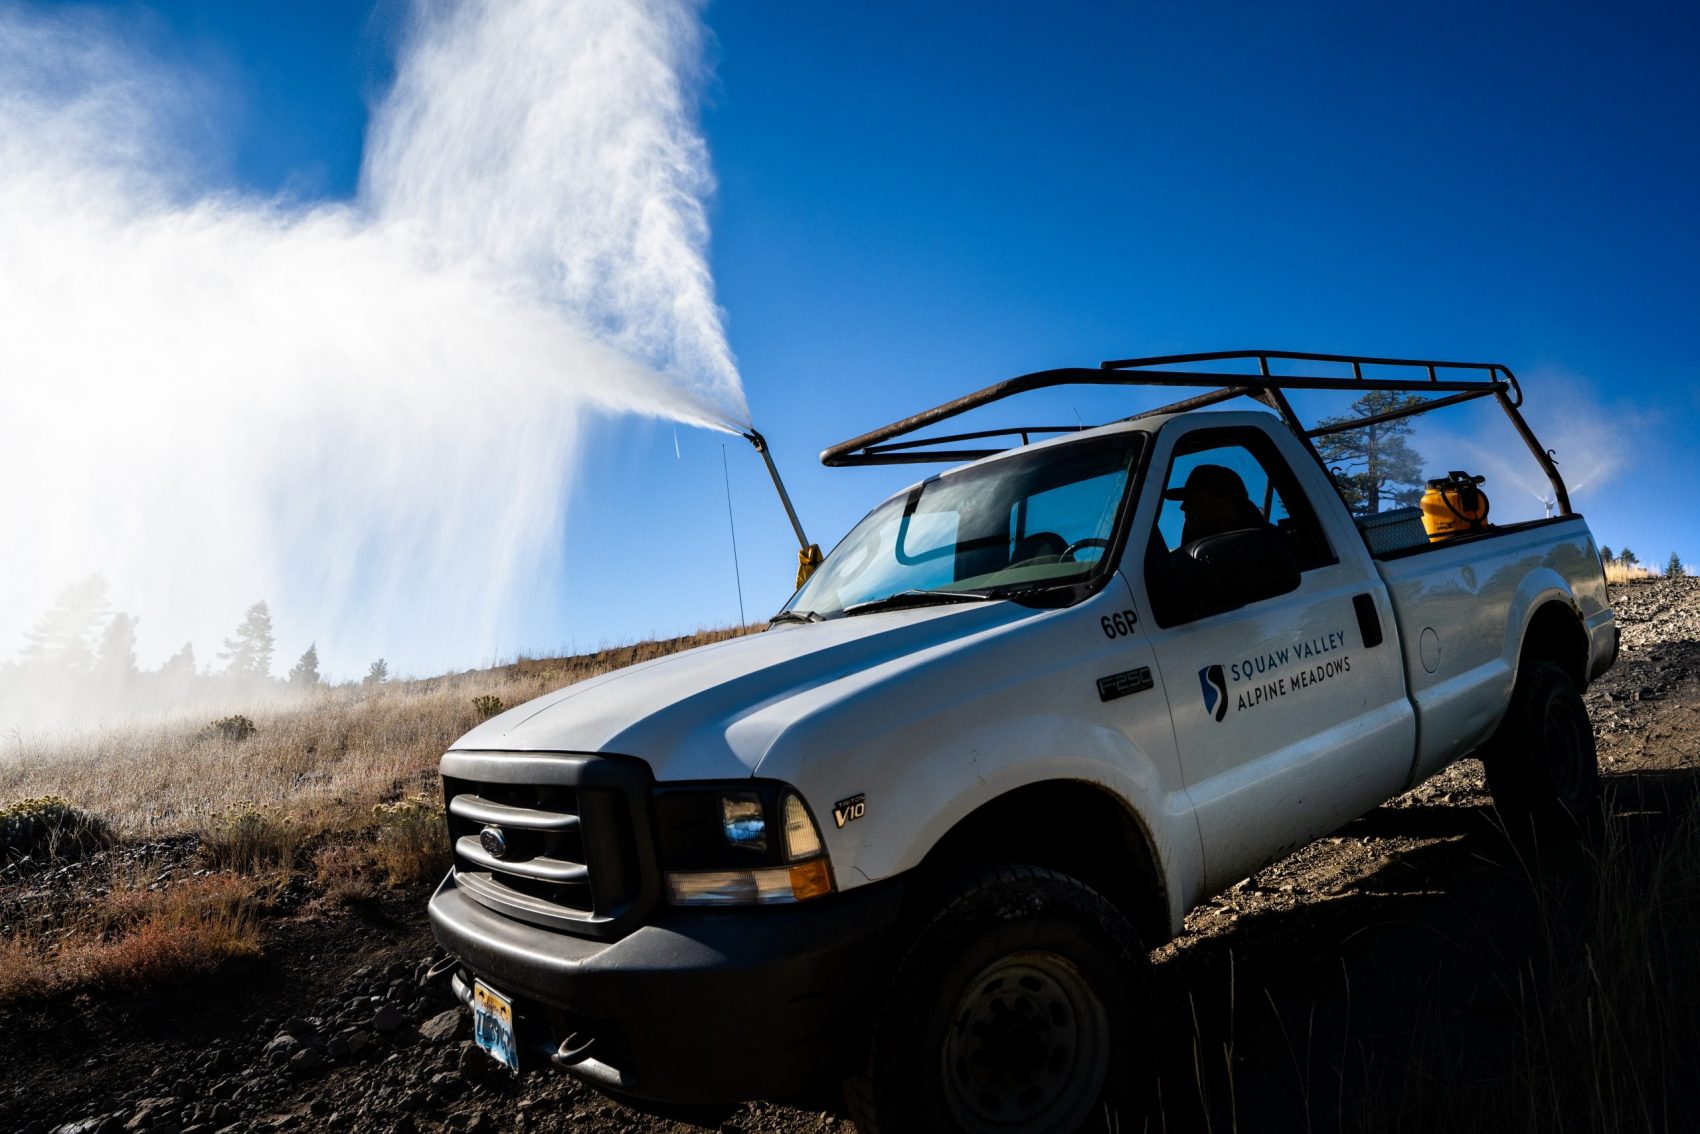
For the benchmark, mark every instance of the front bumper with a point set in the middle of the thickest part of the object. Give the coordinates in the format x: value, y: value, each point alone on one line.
x: 697, y: 1007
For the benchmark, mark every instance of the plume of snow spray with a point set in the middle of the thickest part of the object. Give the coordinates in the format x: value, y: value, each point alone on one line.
x: 362, y: 411
x: 1590, y: 439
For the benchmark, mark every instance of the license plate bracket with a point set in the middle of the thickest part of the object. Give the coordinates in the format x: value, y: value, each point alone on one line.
x: 493, y: 1025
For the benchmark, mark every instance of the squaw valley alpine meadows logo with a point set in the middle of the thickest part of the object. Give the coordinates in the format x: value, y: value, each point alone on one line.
x: 1215, y: 691
x: 1268, y: 677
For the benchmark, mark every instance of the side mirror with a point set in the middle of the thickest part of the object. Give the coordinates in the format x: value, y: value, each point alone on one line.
x: 1236, y: 568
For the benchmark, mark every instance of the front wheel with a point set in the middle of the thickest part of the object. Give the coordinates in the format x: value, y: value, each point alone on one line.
x: 1021, y: 1007
x: 1543, y: 769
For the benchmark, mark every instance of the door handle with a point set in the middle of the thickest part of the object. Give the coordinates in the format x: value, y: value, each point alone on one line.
x: 1369, y: 622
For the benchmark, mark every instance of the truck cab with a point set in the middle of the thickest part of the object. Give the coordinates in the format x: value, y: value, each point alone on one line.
x: 921, y: 833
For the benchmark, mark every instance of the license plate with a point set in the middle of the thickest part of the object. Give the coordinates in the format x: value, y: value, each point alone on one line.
x: 493, y: 1025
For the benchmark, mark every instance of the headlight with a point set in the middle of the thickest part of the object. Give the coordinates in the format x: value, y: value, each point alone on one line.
x: 715, y: 848
x: 742, y: 820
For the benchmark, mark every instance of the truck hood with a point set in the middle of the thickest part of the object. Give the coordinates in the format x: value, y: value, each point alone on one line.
x: 714, y: 712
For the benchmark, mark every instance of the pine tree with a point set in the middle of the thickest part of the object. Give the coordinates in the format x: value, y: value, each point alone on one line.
x: 180, y: 664
x: 1627, y: 558
x: 378, y: 673
x: 64, y: 638
x: 1674, y: 568
x: 249, y: 654
x: 1374, y: 461
x: 305, y: 673
x: 117, y: 657
x: 1605, y: 554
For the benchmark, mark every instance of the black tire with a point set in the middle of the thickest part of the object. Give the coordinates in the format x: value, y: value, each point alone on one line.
x: 1542, y: 769
x: 1022, y: 1006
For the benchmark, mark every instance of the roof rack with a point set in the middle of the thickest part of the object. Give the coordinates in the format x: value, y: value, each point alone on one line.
x: 1410, y: 375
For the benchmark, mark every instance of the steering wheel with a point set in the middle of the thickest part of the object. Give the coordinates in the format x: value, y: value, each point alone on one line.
x: 1068, y: 552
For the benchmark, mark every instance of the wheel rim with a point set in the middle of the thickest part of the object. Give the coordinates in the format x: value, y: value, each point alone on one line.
x: 1027, y: 1048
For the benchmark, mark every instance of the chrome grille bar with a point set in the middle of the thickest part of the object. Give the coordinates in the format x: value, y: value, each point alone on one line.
x: 541, y: 868
x: 475, y: 809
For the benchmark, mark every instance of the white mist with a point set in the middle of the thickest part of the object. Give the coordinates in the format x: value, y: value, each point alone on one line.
x: 366, y: 412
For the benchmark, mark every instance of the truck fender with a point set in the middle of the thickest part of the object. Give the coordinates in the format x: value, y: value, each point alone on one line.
x: 1164, y: 820
x: 1546, y: 622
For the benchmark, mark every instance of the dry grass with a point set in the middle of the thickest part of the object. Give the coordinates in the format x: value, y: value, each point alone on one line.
x: 137, y: 936
x: 340, y: 784
x: 1603, y: 1022
x: 1610, y: 1035
x: 1623, y: 573
x: 336, y: 751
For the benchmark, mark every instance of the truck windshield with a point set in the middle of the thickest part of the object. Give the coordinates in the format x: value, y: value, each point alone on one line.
x: 1031, y: 520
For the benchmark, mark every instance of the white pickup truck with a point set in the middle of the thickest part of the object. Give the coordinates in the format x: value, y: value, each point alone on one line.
x: 921, y: 833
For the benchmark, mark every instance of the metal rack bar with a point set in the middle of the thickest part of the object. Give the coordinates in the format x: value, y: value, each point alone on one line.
x: 1487, y: 379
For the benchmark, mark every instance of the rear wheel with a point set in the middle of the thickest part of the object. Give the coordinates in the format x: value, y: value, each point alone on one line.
x: 1021, y: 1007
x: 1543, y: 769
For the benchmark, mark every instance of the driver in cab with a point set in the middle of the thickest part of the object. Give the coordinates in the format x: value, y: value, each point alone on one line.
x: 1214, y: 501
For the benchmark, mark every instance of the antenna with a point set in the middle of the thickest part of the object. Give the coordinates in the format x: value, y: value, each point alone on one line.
x: 736, y: 573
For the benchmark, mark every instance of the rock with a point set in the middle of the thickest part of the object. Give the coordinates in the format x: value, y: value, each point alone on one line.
x: 99, y: 1124
x: 307, y: 1059
x: 411, y: 1101
x: 337, y: 1047
x: 444, y: 1027
x: 152, y: 1113
x: 474, y: 1062
x: 281, y: 1049
x: 386, y: 1019
x: 304, y: 1027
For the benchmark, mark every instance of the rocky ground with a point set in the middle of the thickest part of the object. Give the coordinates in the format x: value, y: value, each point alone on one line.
x: 1322, y: 993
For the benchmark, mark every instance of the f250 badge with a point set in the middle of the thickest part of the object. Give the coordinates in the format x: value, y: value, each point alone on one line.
x: 849, y: 810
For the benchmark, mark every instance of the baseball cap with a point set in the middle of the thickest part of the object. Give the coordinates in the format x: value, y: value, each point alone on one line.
x: 1210, y: 478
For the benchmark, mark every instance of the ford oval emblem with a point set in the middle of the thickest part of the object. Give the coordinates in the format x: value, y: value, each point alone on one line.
x: 495, y: 843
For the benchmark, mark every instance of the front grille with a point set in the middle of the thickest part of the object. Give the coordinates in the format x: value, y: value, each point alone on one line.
x: 575, y: 830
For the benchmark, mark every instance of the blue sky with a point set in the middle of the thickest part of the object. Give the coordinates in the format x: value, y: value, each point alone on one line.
x: 917, y: 200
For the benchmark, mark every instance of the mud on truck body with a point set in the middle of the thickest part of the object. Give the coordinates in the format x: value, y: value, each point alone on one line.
x: 921, y: 833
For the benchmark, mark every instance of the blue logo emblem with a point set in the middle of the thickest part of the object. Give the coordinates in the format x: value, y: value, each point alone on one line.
x: 1215, y: 686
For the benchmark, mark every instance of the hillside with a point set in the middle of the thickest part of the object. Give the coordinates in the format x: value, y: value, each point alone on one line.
x: 250, y: 951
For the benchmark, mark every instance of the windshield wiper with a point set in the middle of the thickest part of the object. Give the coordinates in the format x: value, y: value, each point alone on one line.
x: 914, y: 598
x: 796, y: 616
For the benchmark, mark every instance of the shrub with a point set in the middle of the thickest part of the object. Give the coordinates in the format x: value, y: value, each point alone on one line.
x: 344, y: 874
x: 251, y: 840
x: 488, y: 705
x: 412, y: 844
x: 235, y: 727
x: 50, y: 826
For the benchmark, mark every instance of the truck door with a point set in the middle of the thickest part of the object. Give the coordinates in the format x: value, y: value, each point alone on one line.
x: 1290, y: 713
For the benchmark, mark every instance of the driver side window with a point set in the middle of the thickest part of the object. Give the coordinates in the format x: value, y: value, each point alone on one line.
x: 1222, y: 481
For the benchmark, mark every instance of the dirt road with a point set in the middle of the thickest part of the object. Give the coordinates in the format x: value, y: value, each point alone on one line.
x: 1373, y: 980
